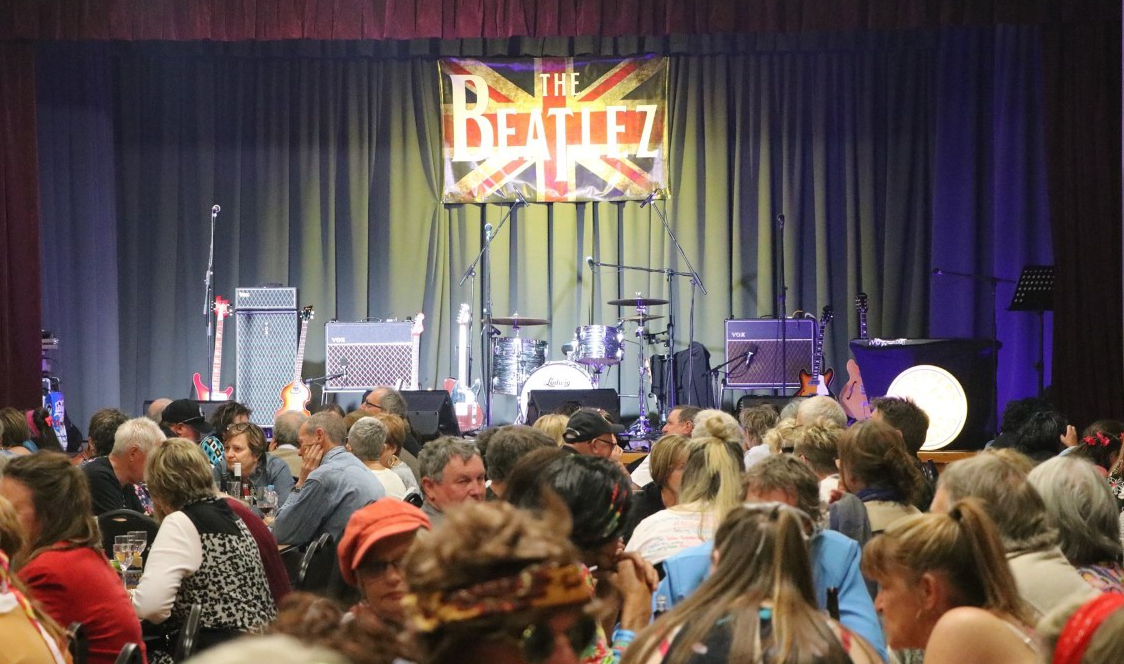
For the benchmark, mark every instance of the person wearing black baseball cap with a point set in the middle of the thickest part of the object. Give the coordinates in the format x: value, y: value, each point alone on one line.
x: 185, y: 419
x: 589, y: 433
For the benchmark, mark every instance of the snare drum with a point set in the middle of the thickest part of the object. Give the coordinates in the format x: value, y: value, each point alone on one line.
x: 554, y: 376
x: 599, y: 345
x: 513, y: 360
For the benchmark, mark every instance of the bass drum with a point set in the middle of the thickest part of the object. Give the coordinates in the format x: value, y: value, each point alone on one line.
x: 553, y: 376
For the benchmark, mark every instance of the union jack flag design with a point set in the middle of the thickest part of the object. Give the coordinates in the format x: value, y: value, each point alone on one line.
x: 554, y: 129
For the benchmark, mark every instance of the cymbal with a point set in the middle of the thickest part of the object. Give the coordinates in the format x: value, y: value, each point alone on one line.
x: 637, y: 302
x: 518, y: 321
x: 640, y: 318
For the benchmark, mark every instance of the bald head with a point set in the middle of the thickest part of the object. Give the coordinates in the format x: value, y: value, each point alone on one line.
x: 156, y: 409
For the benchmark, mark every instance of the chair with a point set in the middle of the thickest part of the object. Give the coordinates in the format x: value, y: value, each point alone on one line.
x: 317, y: 566
x: 186, y: 643
x: 130, y: 654
x: 78, y: 643
x: 414, y: 497
x: 292, y: 556
x: 121, y: 522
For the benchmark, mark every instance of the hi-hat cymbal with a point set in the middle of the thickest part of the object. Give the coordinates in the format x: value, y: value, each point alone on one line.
x: 640, y: 318
x: 518, y: 321
x: 637, y: 302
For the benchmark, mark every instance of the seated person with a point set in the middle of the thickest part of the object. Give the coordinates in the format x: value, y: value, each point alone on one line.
x: 452, y: 474
x: 113, y: 478
x: 365, y: 440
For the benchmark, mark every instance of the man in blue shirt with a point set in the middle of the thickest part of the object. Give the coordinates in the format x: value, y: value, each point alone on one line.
x: 333, y: 484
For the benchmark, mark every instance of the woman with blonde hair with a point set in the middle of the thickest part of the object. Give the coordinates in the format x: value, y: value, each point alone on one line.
x: 203, y: 553
x: 553, y: 425
x: 711, y: 487
x: 714, y: 423
x: 875, y: 466
x: 759, y: 604
x: 944, y: 585
x: 667, y: 462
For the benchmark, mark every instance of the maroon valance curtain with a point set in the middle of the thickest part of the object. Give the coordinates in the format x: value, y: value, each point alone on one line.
x: 263, y: 20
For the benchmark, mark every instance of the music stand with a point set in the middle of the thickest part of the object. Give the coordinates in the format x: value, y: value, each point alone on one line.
x: 1035, y: 292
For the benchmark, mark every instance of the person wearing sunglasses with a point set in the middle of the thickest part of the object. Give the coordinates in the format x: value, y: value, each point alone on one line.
x: 499, y: 584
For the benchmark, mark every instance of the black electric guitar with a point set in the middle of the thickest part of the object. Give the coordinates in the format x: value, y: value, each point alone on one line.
x: 818, y: 382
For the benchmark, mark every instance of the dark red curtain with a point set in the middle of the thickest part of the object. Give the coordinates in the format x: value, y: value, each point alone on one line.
x: 1082, y: 103
x: 19, y: 229
x: 239, y: 20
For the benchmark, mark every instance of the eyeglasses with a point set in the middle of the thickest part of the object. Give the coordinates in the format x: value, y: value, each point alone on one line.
x: 380, y: 567
x: 367, y: 404
x: 538, y: 639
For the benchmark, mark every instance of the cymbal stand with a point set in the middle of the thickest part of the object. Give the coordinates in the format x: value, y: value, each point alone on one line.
x: 641, y: 429
x: 486, y: 327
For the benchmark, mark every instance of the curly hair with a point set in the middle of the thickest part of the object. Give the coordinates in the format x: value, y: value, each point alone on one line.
x: 225, y: 415
x: 482, y: 542
x: 318, y: 621
x: 874, y: 454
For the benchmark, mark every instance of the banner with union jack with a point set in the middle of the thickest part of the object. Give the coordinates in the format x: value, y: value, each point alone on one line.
x: 554, y: 129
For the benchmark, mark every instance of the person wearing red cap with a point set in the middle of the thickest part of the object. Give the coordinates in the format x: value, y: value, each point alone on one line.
x: 371, y: 551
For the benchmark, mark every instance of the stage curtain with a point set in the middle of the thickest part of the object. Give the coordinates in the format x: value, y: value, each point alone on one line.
x: 1083, y: 108
x: 244, y: 20
x: 19, y: 230
x: 325, y: 160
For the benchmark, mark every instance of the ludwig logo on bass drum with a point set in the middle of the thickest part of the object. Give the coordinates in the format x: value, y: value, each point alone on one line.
x: 562, y: 383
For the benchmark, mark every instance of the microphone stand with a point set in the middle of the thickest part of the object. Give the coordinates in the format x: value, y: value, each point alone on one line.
x: 486, y: 313
x: 321, y: 381
x: 782, y: 302
x: 696, y: 281
x: 718, y: 383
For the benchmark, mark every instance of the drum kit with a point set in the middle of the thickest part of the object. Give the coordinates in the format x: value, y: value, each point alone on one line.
x: 520, y: 365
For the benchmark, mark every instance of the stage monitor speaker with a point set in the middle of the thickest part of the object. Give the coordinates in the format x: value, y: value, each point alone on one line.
x: 431, y: 414
x: 755, y: 346
x: 267, y: 352
x: 374, y: 354
x: 543, y: 402
x: 750, y: 400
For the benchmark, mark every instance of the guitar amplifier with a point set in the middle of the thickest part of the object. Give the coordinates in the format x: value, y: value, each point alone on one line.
x: 374, y: 354
x: 265, y: 299
x: 761, y: 337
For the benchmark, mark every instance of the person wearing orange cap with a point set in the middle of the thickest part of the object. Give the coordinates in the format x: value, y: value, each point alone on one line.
x: 371, y: 551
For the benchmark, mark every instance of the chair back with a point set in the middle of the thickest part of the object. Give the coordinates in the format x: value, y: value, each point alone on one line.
x: 130, y: 654
x: 121, y: 522
x: 189, y: 633
x: 318, y: 565
x: 78, y: 643
x: 414, y: 497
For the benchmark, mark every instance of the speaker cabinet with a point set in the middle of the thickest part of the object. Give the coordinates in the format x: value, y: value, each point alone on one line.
x: 755, y: 346
x: 431, y: 414
x: 267, y: 351
x: 543, y: 402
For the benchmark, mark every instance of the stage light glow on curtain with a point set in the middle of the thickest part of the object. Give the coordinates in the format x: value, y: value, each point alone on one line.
x: 554, y: 129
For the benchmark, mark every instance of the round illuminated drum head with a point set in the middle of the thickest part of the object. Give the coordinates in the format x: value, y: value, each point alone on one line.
x: 940, y: 395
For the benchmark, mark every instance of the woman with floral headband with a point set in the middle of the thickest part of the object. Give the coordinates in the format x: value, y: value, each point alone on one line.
x: 496, y: 584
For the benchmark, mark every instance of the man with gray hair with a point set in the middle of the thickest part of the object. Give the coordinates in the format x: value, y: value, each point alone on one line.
x: 285, y: 443
x: 112, y: 478
x: 389, y: 400
x: 452, y: 473
x: 814, y: 409
x: 366, y: 441
x: 331, y: 486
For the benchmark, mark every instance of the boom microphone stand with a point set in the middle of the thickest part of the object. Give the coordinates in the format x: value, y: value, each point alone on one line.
x: 696, y: 281
x: 486, y: 309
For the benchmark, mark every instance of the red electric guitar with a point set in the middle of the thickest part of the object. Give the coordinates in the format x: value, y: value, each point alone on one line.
x: 296, y: 395
x: 816, y: 383
x: 469, y: 413
x: 853, y: 395
x: 214, y: 392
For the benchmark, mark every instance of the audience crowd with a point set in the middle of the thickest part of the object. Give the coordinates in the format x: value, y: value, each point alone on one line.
x: 770, y: 536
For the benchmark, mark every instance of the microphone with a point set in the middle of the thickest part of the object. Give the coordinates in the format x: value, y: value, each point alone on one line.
x: 589, y: 261
x: 651, y: 197
x: 487, y: 231
x: 215, y: 210
x: 519, y: 196
x: 780, y: 220
x: 749, y: 353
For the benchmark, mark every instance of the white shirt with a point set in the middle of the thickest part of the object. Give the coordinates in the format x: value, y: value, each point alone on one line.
x: 177, y: 552
x: 393, y: 484
x: 670, y: 531
x: 642, y: 475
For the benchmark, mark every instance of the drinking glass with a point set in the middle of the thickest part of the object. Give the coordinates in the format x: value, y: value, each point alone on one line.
x: 140, y: 540
x: 267, y: 501
x: 122, y: 553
